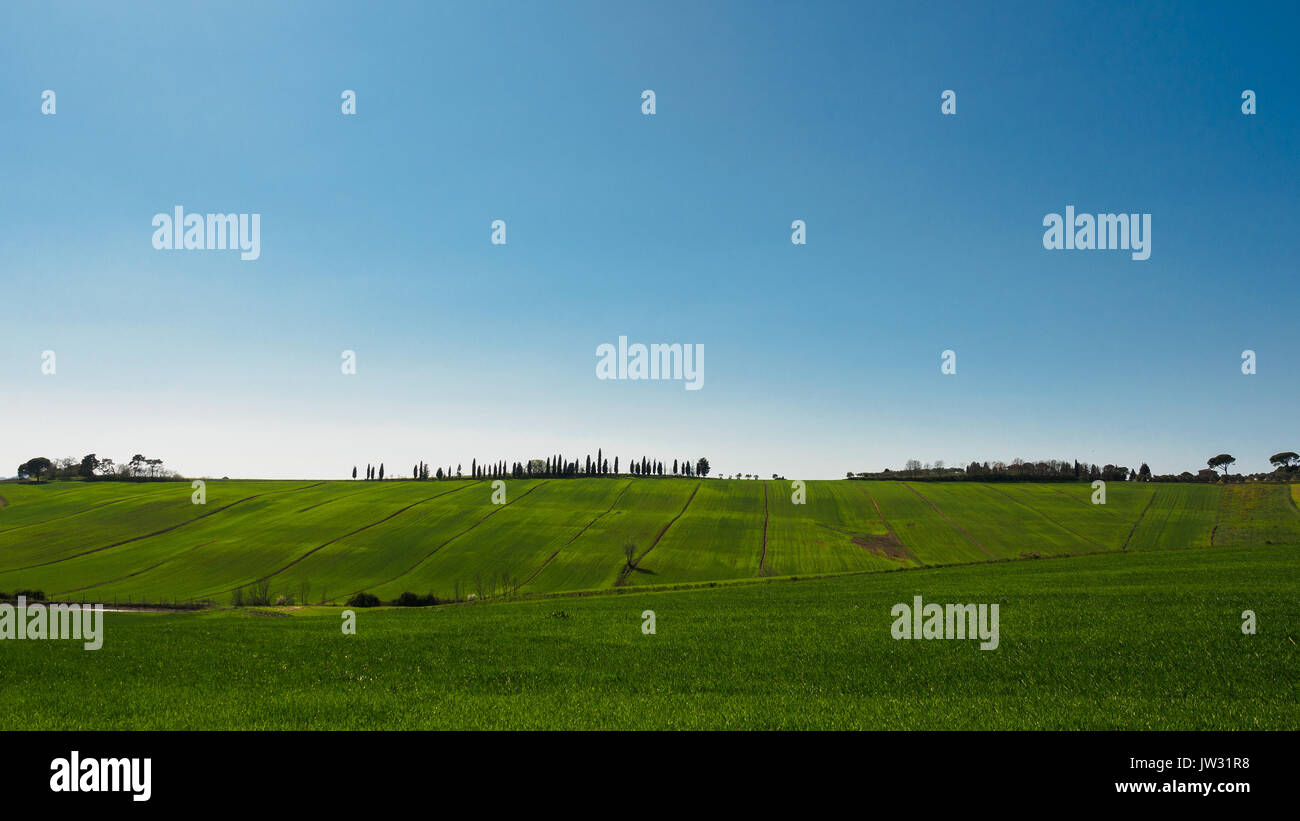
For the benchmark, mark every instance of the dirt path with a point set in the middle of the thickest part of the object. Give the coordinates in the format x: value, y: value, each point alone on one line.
x: 762, y: 559
x: 976, y: 542
x: 613, y: 505
x: 160, y: 532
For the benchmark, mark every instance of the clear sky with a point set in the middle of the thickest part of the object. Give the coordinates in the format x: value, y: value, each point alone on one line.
x: 924, y: 232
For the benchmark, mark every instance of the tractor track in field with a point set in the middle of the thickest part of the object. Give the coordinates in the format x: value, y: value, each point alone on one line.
x: 448, y: 541
x: 1045, y: 516
x: 762, y: 559
x: 576, y: 536
x: 889, y: 529
x: 134, y: 573
x: 1085, y: 504
x: 355, y: 532
x: 159, y: 532
x: 637, y: 561
x: 335, y: 499
x: 1142, y: 515
x: 976, y: 542
x: 81, y: 512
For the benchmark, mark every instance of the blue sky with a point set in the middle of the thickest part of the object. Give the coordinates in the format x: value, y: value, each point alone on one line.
x: 924, y: 233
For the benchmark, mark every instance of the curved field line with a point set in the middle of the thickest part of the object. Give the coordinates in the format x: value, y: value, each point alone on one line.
x: 133, y: 573
x: 950, y: 521
x: 1085, y: 504
x: 451, y: 539
x: 335, y: 499
x: 355, y: 532
x: 159, y: 532
x: 1134, y: 528
x: 762, y: 559
x: 890, y: 529
x: 671, y: 522
x: 82, y: 511
x: 612, y: 505
x: 1044, y: 515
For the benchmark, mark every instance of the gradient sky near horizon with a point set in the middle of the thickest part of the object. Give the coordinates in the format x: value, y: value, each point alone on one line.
x: 924, y: 233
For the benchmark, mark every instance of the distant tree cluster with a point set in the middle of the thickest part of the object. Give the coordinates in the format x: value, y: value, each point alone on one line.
x: 90, y: 467
x: 556, y: 466
x: 1286, y: 467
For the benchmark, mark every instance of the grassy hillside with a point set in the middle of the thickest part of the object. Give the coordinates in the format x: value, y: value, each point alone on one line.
x: 323, y: 541
x: 1132, y: 640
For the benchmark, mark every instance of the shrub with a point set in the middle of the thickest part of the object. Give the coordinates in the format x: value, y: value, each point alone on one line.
x: 409, y: 599
x: 32, y: 595
x: 364, y: 600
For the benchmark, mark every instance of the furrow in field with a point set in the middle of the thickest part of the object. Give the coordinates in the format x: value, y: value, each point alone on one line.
x: 824, y: 527
x: 576, y: 536
x: 132, y: 574
x: 1081, y: 502
x: 1254, y: 514
x: 890, y: 529
x: 762, y: 560
x: 238, y: 546
x: 596, y: 559
x: 1140, y: 517
x: 337, y: 498
x: 671, y: 522
x: 975, y: 541
x: 451, y: 539
x: 80, y: 512
x: 160, y: 532
x: 392, y: 515
x: 717, y: 536
x: 1054, y: 521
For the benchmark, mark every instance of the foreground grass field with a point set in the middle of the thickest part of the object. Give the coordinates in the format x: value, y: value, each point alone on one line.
x: 1131, y: 640
x: 324, y: 541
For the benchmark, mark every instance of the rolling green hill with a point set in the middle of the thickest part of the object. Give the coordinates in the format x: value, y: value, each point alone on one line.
x: 323, y: 541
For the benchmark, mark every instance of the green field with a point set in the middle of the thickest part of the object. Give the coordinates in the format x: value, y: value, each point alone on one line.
x: 321, y: 542
x: 1131, y: 640
x: 771, y: 611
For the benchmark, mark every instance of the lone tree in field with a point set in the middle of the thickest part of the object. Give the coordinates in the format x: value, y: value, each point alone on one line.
x: 35, y: 468
x: 1221, y: 462
x: 354, y: 471
x: 1287, y: 460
